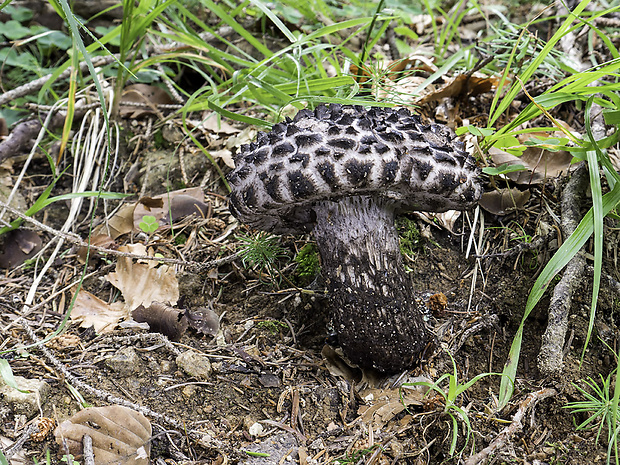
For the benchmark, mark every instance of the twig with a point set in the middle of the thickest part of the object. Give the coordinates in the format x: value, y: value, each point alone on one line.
x: 504, y: 436
x: 550, y: 356
x: 78, y: 241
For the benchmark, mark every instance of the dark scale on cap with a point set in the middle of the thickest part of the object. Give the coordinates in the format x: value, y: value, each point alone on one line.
x: 262, y: 138
x: 358, y: 172
x: 423, y: 168
x: 345, y: 120
x: 302, y: 158
x: 351, y: 131
x: 302, y: 114
x: 322, y: 151
x: 390, y: 169
x: 369, y: 139
x: 448, y: 181
x: 364, y: 124
x: 342, y: 143
x: 328, y: 173
x: 243, y: 172
x: 279, y: 128
x: 364, y: 149
x: 415, y: 136
x: 301, y: 186
x: 276, y: 166
x: 274, y: 138
x: 249, y: 197
x: 381, y: 148
x: 395, y: 137
x: 393, y: 118
x: 336, y: 111
x: 321, y: 112
x: 305, y: 140
x: 291, y: 129
x: 443, y: 157
x: 283, y: 149
x: 258, y: 157
x: 272, y: 187
x: 333, y: 131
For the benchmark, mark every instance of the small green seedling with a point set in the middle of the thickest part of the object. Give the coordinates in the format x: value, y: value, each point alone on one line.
x: 256, y: 454
x: 450, y: 398
x: 148, y: 224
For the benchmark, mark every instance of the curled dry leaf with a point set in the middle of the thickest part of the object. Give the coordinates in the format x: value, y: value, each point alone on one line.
x: 99, y: 240
x: 120, y: 435
x: 19, y: 245
x: 143, y: 283
x: 462, y: 85
x: 540, y: 164
x: 387, y: 403
x: 89, y: 310
x: 180, y: 203
x: 504, y: 201
x: 162, y: 318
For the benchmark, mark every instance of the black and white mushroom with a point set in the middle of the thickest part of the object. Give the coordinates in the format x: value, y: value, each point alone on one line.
x: 343, y: 173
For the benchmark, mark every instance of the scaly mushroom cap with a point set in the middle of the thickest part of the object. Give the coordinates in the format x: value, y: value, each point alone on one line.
x: 341, y: 151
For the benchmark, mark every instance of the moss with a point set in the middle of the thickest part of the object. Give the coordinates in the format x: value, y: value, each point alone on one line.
x: 411, y: 240
x: 308, y: 263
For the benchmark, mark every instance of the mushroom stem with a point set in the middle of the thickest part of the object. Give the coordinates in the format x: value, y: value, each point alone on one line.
x: 373, y: 307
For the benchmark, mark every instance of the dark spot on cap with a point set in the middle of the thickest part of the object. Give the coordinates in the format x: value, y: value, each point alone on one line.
x: 358, y: 172
x: 283, y: 149
x: 381, y: 148
x: 342, y: 143
x: 244, y: 172
x: 328, y: 173
x: 302, y: 158
x: 292, y: 129
x: 257, y: 157
x: 333, y: 131
x: 368, y: 139
x: 364, y: 149
x: 415, y: 136
x: 274, y: 138
x: 301, y: 114
x: 301, y: 186
x: 249, y: 196
x: 351, y: 131
x: 304, y: 140
x: 442, y: 157
x: 276, y: 166
x: 422, y: 168
x: 448, y: 181
x: 345, y: 120
x: 279, y: 128
x: 393, y: 118
x: 335, y: 111
x: 262, y: 138
x: 272, y: 187
x: 364, y: 124
x: 321, y: 112
x: 389, y: 171
x: 322, y: 151
x: 395, y: 137
x: 469, y: 195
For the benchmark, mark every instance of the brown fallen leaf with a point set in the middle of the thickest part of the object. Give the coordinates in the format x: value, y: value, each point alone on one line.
x: 179, y: 204
x: 143, y: 94
x: 120, y: 435
x: 143, y: 283
x: 462, y: 85
x: 19, y: 245
x: 89, y: 310
x: 504, y: 201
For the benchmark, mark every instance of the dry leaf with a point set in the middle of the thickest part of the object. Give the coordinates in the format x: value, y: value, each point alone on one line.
x: 144, y: 94
x: 504, y: 201
x: 540, y: 164
x: 462, y: 85
x: 179, y: 203
x: 144, y: 283
x: 121, y: 223
x: 120, y: 435
x: 90, y: 310
x: 19, y: 245
x: 387, y: 403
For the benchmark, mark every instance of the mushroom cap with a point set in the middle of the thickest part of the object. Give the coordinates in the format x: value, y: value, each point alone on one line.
x: 341, y: 151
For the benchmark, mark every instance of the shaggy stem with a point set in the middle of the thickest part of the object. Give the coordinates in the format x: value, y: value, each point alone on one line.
x: 373, y: 307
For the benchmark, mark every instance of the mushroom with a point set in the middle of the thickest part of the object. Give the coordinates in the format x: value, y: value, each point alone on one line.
x: 343, y: 173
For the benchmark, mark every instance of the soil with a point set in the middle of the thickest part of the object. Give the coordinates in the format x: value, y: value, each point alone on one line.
x: 274, y: 387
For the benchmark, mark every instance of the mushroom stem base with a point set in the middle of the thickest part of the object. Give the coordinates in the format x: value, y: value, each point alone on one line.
x: 372, y: 303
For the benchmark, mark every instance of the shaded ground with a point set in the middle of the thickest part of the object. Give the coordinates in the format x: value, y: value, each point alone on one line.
x: 268, y: 370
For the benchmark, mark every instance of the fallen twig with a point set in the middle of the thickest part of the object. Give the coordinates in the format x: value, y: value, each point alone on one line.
x: 504, y: 436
